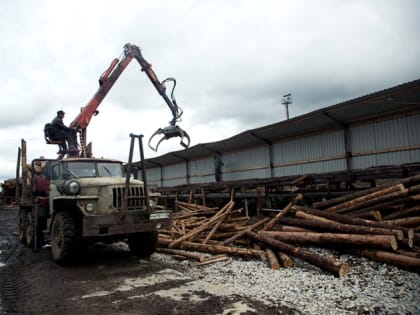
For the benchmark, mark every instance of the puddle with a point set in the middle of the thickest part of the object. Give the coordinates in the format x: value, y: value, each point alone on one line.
x: 191, y: 291
x: 159, y: 277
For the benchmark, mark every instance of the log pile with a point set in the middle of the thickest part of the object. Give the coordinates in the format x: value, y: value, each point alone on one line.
x: 8, y: 190
x: 381, y: 223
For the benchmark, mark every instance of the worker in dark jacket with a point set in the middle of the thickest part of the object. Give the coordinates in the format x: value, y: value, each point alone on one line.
x: 218, y: 165
x: 63, y: 133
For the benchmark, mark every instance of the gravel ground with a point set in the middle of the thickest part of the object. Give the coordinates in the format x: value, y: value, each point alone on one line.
x: 368, y: 288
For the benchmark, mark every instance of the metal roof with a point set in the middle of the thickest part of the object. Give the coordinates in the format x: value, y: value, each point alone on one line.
x: 396, y: 100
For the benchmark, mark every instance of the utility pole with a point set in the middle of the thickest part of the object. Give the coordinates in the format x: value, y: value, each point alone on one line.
x: 286, y: 100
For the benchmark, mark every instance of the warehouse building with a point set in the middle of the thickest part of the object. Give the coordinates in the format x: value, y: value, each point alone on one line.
x: 382, y: 128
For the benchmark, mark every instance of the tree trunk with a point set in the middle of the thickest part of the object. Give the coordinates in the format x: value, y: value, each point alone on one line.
x: 329, y: 264
x: 285, y: 260
x: 347, y: 228
x: 272, y: 259
x: 215, y: 249
x: 391, y: 258
x: 242, y: 233
x: 182, y: 253
x: 364, y: 199
x: 349, y: 220
x: 378, y: 241
x: 282, y: 213
x: 402, y: 213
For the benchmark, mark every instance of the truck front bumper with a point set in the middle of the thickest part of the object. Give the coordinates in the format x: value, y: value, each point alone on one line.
x: 113, y: 225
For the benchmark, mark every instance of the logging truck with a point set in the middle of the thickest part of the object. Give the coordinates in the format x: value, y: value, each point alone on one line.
x: 77, y: 199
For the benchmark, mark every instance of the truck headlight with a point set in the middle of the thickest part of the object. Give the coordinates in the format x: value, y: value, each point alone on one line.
x: 72, y: 187
x: 89, y: 207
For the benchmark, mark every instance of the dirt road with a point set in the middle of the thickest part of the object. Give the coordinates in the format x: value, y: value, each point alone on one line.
x: 107, y: 281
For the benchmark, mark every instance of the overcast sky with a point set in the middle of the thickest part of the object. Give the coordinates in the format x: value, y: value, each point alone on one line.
x: 233, y: 61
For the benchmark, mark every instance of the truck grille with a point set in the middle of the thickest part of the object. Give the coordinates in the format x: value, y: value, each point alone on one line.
x: 136, y: 197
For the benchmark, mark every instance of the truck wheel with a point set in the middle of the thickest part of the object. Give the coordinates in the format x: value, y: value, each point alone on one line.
x: 22, y: 227
x: 143, y: 244
x: 30, y: 231
x: 64, y: 238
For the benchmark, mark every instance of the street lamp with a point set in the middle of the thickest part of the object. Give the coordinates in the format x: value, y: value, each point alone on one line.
x: 286, y: 100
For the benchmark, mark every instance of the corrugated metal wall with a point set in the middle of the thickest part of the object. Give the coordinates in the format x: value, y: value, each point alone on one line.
x: 390, y: 141
x: 385, y: 142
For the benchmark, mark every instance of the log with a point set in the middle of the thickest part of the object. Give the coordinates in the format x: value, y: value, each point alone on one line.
x: 410, y: 181
x: 181, y: 215
x: 408, y: 221
x: 272, y: 259
x: 214, y: 229
x: 242, y: 233
x: 373, y: 202
x: 347, y: 219
x: 382, y: 205
x: 216, y: 249
x: 402, y: 213
x: 182, y: 253
x: 391, y: 258
x: 365, y: 198
x: 378, y: 241
x: 347, y: 228
x: 408, y: 253
x: 290, y: 228
x: 227, y: 208
x: 211, y: 260
x: 329, y: 264
x: 285, y: 260
x: 282, y: 213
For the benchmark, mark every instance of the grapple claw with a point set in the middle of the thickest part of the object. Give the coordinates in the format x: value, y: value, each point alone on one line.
x: 170, y: 132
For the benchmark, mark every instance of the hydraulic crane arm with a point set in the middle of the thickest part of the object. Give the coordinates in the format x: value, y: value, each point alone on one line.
x: 107, y: 80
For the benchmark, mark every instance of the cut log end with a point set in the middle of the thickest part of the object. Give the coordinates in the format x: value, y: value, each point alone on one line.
x: 343, y: 270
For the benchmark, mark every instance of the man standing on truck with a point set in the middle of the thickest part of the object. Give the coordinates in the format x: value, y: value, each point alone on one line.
x: 63, y: 133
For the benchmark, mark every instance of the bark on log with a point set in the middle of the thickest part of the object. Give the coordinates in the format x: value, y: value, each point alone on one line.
x: 402, y: 213
x: 242, y: 233
x: 378, y: 241
x: 408, y: 221
x: 214, y: 229
x: 372, y: 202
x: 216, y: 249
x: 211, y: 260
x: 364, y: 199
x: 383, y: 206
x: 181, y: 215
x: 408, y: 253
x: 329, y: 264
x: 347, y: 228
x: 282, y: 213
x: 272, y: 259
x: 182, y: 253
x: 391, y: 258
x: 407, y: 182
x: 348, y: 220
x: 204, y: 226
x: 285, y: 260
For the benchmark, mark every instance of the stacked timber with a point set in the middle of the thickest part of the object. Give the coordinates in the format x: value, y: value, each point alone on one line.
x: 8, y: 190
x: 382, y: 224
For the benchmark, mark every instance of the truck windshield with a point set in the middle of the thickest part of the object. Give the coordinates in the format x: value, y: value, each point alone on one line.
x: 109, y: 169
x: 89, y: 169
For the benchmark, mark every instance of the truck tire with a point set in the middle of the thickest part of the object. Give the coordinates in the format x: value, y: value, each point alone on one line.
x: 22, y: 226
x: 64, y: 238
x: 30, y: 231
x: 143, y: 244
